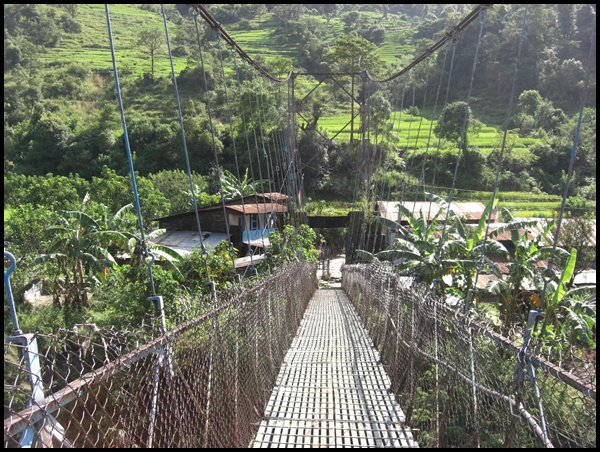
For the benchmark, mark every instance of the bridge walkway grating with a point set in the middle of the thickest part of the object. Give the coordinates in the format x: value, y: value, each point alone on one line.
x: 331, y: 390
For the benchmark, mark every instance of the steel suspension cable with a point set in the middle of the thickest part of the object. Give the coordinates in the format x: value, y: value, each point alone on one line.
x: 270, y: 139
x: 437, y: 96
x: 251, y: 165
x: 213, y: 23
x: 419, y: 130
x: 261, y: 120
x: 479, y: 265
x: 462, y: 139
x: 393, y: 127
x: 234, y: 150
x: 366, y: 124
x: 143, y: 243
x: 442, y: 122
x: 410, y: 124
x: 259, y: 145
x: 422, y: 173
x: 212, y: 130
x: 571, y: 164
x: 449, y: 36
x: 183, y: 139
x: 158, y: 304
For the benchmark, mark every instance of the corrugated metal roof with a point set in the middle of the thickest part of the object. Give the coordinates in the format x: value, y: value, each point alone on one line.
x: 258, y: 208
x: 184, y: 242
x: 503, y: 263
x: 585, y: 278
x: 249, y: 260
x: 467, y: 210
x: 536, y: 230
x: 275, y: 196
x: 482, y: 280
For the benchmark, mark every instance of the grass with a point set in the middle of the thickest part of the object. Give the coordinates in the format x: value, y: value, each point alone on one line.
x: 513, y: 196
x: 533, y: 213
x: 415, y: 133
x: 92, y: 46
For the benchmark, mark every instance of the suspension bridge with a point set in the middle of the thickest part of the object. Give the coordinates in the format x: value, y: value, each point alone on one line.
x: 370, y: 360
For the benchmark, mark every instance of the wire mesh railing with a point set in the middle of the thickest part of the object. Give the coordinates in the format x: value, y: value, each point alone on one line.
x: 460, y: 382
x: 204, y: 383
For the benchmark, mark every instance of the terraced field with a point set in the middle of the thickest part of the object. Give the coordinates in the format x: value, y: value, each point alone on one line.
x: 413, y: 133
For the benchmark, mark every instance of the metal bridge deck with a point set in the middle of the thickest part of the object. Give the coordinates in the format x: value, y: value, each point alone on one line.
x: 331, y: 390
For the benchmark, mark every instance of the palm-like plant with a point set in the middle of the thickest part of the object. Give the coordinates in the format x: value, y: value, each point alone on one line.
x: 569, y: 312
x: 415, y: 248
x: 165, y: 254
x: 81, y: 249
x: 524, y: 267
x: 234, y: 188
x: 469, y: 251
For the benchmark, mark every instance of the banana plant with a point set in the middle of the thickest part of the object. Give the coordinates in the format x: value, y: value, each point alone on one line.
x: 234, y: 188
x: 569, y: 312
x: 81, y: 252
x: 471, y: 250
x: 524, y: 267
x: 414, y: 248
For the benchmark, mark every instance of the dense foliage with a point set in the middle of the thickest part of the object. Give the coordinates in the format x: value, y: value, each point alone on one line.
x: 61, y: 114
x: 63, y: 134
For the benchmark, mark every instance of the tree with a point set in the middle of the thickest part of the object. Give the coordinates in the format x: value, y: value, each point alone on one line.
x: 288, y: 12
x: 80, y: 254
x: 235, y: 188
x: 566, y: 20
x: 175, y: 186
x: 529, y: 102
x: 116, y: 191
x: 45, y: 144
x: 312, y: 153
x: 530, y: 248
x: 455, y: 121
x: 381, y: 115
x: 259, y: 10
x: 352, y: 53
x: 291, y: 244
x: 72, y: 9
x: 152, y: 41
x: 330, y: 10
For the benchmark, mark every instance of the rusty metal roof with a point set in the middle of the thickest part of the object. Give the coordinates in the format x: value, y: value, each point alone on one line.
x: 257, y: 208
x: 466, y: 210
x: 275, y: 196
x: 184, y: 242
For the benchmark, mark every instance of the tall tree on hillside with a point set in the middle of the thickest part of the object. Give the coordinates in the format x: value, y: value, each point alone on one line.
x: 288, y: 12
x: 566, y: 20
x: 330, y: 10
x: 151, y: 40
x: 352, y: 53
x: 455, y: 121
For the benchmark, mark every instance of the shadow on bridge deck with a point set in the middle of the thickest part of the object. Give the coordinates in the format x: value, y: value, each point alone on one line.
x: 331, y: 391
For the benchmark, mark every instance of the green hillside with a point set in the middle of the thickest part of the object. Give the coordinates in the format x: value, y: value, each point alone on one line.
x: 62, y: 116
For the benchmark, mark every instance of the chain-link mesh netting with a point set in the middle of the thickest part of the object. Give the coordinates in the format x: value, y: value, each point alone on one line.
x: 204, y: 383
x: 460, y: 382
